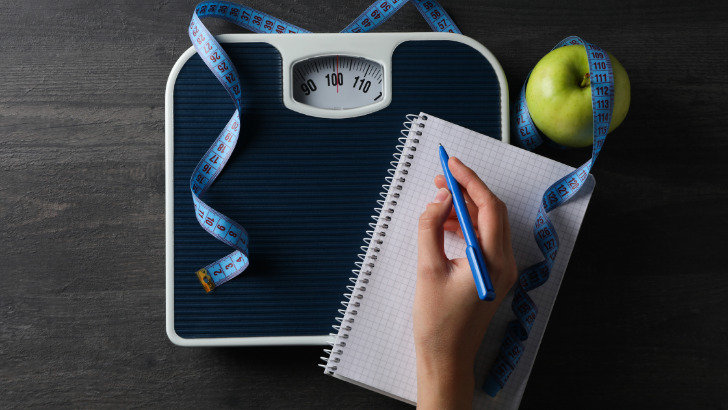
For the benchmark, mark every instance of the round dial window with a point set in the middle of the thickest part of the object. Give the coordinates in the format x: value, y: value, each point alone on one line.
x: 337, y: 82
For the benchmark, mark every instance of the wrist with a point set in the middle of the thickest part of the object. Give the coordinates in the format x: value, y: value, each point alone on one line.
x: 442, y: 385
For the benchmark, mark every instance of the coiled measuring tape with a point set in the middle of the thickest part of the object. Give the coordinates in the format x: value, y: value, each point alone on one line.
x: 233, y: 234
x: 209, y: 167
x: 602, y: 91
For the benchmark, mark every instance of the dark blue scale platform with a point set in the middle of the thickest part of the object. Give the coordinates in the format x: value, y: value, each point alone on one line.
x: 305, y: 188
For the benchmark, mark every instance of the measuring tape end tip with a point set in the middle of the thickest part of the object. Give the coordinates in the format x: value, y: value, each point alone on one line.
x: 205, y: 280
x: 491, y: 386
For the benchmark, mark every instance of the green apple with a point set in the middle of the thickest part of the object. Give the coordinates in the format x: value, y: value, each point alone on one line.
x: 558, y: 96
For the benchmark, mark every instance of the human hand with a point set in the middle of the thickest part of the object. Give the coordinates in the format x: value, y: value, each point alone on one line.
x: 450, y: 320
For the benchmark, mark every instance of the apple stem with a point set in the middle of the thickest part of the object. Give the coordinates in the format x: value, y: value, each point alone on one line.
x: 585, y: 82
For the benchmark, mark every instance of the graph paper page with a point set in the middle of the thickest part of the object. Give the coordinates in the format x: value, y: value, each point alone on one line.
x: 375, y: 347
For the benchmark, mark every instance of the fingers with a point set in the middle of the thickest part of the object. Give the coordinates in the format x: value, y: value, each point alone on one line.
x: 491, y: 211
x: 452, y: 223
x: 431, y: 257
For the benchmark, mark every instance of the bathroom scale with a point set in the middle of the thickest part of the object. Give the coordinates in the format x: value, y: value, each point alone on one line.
x: 320, y: 121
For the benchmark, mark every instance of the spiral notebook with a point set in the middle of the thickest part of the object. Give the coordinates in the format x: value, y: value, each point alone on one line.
x: 374, y: 345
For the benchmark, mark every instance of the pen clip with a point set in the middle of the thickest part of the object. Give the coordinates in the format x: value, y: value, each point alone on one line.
x: 480, y: 273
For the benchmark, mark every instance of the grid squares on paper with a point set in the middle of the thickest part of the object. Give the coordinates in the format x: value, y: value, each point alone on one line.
x: 379, y: 350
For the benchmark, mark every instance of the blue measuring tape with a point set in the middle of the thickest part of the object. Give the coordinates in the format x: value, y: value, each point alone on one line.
x: 233, y: 234
x: 602, y: 91
x: 208, y: 169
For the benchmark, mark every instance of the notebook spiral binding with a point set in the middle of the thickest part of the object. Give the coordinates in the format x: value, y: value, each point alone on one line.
x: 374, y: 240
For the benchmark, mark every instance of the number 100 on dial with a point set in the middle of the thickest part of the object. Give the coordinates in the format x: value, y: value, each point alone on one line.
x: 337, y: 82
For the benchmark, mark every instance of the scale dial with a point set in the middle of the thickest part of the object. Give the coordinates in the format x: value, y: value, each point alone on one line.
x: 338, y: 82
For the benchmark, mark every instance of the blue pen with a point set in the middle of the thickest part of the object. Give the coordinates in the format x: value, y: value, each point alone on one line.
x: 474, y: 253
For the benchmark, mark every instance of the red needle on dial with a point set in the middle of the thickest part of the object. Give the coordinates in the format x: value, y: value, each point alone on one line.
x: 337, y: 74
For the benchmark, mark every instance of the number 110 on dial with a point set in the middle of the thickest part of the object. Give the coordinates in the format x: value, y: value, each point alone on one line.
x: 337, y: 82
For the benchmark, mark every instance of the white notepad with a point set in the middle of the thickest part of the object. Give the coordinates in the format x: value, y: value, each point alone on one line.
x: 374, y: 347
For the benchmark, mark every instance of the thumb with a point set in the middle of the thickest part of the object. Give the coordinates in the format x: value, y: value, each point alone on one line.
x: 430, y: 238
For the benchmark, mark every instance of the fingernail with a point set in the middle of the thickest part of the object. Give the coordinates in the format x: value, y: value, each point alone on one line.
x: 441, y: 195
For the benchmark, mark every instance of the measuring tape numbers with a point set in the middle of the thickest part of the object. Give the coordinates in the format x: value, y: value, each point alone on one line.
x: 208, y: 169
x: 234, y: 235
x: 525, y: 310
x: 380, y: 11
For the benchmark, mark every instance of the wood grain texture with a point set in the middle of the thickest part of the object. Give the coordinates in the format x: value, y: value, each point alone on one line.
x: 639, y: 322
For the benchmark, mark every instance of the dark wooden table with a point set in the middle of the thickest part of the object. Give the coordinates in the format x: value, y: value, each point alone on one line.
x: 640, y: 320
